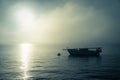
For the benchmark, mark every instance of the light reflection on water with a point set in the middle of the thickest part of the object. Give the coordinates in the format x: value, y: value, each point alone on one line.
x: 33, y: 62
x: 25, y: 50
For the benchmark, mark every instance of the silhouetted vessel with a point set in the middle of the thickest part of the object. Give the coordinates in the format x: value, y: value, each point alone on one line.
x: 84, y: 51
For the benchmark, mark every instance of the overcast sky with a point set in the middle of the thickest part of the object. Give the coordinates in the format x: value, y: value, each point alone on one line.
x: 59, y: 21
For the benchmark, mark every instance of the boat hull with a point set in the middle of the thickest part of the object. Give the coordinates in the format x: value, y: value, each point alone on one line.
x: 75, y: 52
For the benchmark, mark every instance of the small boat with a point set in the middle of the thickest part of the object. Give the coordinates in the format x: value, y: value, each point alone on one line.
x: 85, y: 51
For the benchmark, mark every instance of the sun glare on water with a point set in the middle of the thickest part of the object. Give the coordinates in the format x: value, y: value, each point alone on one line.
x: 25, y: 54
x: 25, y: 50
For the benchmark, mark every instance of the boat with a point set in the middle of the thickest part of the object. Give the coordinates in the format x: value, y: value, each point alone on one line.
x: 84, y: 51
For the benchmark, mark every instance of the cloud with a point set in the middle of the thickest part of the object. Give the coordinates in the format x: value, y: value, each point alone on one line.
x: 71, y: 23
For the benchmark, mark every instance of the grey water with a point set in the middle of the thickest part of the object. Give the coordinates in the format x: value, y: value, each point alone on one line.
x: 30, y: 62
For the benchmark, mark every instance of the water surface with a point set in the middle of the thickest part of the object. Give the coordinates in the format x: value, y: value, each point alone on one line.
x: 31, y: 62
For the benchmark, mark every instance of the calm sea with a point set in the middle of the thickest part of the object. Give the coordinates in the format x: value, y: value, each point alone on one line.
x: 31, y: 62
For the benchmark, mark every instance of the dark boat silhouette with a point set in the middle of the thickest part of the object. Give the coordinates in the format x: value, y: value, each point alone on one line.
x: 84, y: 51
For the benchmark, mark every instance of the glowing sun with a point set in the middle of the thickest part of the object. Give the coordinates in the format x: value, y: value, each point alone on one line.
x: 25, y: 17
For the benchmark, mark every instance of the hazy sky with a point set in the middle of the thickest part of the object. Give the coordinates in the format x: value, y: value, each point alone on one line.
x: 59, y: 21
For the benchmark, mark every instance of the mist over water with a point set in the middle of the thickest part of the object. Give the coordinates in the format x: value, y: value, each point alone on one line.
x: 53, y: 25
x: 32, y: 62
